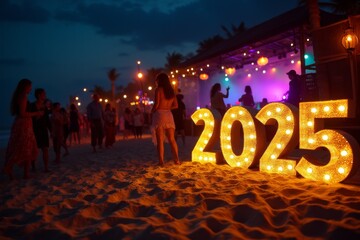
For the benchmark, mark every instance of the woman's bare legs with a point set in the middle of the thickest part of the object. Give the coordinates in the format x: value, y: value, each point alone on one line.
x: 160, y: 145
x: 170, y: 133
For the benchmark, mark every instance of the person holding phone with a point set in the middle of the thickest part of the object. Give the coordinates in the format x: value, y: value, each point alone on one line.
x: 217, y: 98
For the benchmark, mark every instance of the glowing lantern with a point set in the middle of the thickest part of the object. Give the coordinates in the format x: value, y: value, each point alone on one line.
x: 349, y: 40
x: 230, y: 71
x: 204, y: 76
x: 262, y: 61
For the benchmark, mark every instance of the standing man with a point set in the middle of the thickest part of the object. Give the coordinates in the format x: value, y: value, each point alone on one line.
x: 95, y: 118
x: 179, y: 115
x: 41, y: 126
x: 294, y: 88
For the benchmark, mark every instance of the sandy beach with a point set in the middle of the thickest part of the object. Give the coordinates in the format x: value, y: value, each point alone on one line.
x: 121, y: 193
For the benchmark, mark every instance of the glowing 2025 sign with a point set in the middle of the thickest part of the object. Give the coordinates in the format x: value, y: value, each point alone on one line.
x: 291, y: 131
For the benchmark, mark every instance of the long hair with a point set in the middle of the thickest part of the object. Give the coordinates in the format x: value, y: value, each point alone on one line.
x: 164, y: 82
x: 215, y: 88
x: 248, y: 89
x: 20, y: 91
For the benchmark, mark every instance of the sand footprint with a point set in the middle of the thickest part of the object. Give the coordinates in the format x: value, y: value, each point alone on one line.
x: 179, y: 212
x: 216, y: 225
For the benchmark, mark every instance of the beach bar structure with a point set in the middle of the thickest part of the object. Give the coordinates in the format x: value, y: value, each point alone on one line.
x: 262, y: 55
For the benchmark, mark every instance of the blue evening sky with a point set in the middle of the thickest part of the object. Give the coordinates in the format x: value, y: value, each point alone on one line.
x: 66, y: 45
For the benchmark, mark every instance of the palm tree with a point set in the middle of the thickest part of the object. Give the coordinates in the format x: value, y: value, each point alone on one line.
x: 151, y: 74
x: 113, y: 75
x: 99, y: 91
x: 348, y: 7
x: 173, y: 60
x: 234, y: 29
x: 209, y: 43
x: 131, y: 90
x: 314, y: 12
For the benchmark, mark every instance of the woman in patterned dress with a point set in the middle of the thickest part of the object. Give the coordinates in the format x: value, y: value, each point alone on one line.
x: 22, y: 148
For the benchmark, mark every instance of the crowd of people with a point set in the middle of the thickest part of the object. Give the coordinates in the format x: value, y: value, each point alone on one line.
x: 40, y: 124
x: 37, y: 122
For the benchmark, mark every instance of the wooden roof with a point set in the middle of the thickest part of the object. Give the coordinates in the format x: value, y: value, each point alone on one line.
x: 272, y: 38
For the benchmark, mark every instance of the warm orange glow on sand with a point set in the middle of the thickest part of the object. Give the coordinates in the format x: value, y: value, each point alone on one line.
x: 121, y: 193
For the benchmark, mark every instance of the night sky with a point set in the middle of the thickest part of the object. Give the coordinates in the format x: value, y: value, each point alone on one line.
x: 66, y: 45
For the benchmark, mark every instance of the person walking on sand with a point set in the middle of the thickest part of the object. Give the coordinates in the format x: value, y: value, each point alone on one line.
x: 41, y: 126
x: 95, y: 116
x: 179, y: 115
x: 74, y: 128
x: 138, y: 122
x: 109, y: 126
x: 128, y: 123
x: 66, y: 125
x: 217, y: 98
x: 22, y: 148
x: 57, y: 130
x: 162, y: 120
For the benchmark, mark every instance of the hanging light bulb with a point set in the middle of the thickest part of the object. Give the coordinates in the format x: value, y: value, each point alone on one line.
x: 262, y: 61
x: 230, y: 71
x: 204, y: 76
x: 349, y: 40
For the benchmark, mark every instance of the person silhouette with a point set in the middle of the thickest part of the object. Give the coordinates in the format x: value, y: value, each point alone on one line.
x: 294, y: 88
x: 74, y: 126
x: 41, y: 126
x: 247, y: 98
x: 263, y: 102
x: 179, y: 115
x: 139, y: 121
x: 109, y: 126
x: 217, y: 98
x: 95, y: 116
